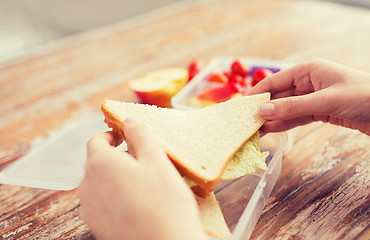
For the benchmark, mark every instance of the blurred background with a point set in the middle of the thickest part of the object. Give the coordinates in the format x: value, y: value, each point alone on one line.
x: 26, y: 25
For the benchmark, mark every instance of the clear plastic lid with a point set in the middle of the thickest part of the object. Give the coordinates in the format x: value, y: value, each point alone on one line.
x: 56, y: 162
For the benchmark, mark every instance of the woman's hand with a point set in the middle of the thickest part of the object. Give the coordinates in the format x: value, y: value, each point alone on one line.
x: 142, y: 197
x: 316, y: 91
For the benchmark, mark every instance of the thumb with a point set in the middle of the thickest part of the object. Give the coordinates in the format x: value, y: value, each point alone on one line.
x: 296, y: 106
x: 142, y: 140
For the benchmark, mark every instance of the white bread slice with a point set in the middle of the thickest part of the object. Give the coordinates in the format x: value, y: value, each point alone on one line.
x: 211, y: 216
x: 199, y: 142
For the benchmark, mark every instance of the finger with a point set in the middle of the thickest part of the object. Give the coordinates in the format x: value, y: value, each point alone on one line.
x: 102, y: 142
x: 105, y: 140
x: 142, y: 141
x: 284, y: 125
x: 283, y: 80
x: 103, y: 156
x: 262, y: 133
x: 283, y: 94
x: 317, y: 103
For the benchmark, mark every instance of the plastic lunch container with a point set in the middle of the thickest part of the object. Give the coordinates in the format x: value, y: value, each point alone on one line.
x: 248, y: 193
x: 241, y: 200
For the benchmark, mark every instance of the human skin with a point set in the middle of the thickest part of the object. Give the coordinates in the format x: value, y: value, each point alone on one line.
x: 141, y: 197
x: 318, y: 90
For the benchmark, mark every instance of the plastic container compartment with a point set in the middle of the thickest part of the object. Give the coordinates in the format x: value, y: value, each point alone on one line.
x: 241, y: 200
x: 220, y: 64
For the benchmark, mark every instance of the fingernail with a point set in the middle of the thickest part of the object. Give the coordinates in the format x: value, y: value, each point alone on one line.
x: 267, y: 109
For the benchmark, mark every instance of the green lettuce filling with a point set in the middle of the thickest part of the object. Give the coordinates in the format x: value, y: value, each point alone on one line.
x: 247, y: 160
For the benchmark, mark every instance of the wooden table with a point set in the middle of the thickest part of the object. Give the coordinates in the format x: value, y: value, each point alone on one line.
x: 323, y: 190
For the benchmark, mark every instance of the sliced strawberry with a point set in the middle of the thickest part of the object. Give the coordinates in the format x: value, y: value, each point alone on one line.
x: 238, y: 68
x: 195, y: 67
x: 237, y: 87
x: 218, y: 77
x: 219, y: 93
x: 260, y: 74
x: 247, y: 82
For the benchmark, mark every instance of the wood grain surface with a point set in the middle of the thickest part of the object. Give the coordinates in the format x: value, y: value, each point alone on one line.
x: 323, y: 191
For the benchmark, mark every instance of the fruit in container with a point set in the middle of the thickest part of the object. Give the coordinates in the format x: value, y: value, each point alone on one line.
x: 237, y: 67
x: 218, y: 78
x: 200, y: 103
x: 158, y: 87
x: 197, y: 102
x: 260, y: 74
x: 194, y: 68
x: 218, y: 94
x: 245, y: 82
x: 215, y: 95
x: 227, y: 82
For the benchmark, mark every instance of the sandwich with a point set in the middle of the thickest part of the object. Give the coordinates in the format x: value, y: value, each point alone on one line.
x: 205, y: 145
x: 211, y: 217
